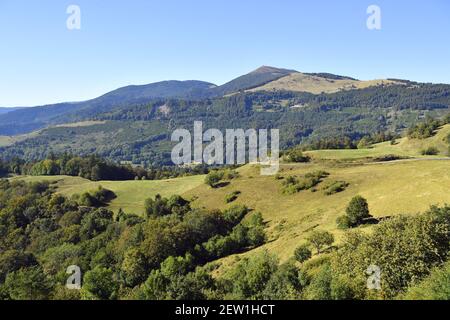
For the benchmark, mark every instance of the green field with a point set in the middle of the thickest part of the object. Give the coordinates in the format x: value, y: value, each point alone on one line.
x: 404, y: 147
x: 130, y: 194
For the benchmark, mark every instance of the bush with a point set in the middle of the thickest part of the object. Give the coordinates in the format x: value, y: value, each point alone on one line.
x: 430, y: 151
x: 424, y: 130
x: 405, y: 248
x: 97, y: 198
x: 213, y: 178
x: 295, y: 155
x: 251, y: 275
x: 232, y: 196
x: 302, y: 253
x: 335, y: 187
x: 434, y: 287
x: 293, y: 185
x: 343, y: 222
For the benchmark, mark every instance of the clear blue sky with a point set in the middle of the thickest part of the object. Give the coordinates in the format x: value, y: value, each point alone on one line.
x: 137, y: 42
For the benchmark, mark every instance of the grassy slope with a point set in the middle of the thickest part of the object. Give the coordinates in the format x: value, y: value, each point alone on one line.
x: 314, y: 84
x: 403, y: 147
x: 130, y: 194
x: 390, y: 188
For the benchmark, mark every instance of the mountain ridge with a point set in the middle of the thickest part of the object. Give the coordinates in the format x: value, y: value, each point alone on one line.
x: 264, y: 78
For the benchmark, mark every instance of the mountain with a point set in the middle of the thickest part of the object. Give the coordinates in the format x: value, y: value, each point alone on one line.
x: 164, y: 89
x: 143, y: 101
x: 28, y: 119
x: 251, y: 80
x: 6, y: 110
x: 141, y: 132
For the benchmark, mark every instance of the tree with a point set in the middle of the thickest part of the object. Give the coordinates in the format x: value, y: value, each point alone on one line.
x: 319, y: 239
x: 134, y: 267
x: 98, y: 284
x: 284, y: 284
x: 357, y: 211
x: 320, y: 286
x: 364, y: 143
x: 302, y: 253
x: 250, y: 276
x: 406, y: 249
x: 28, y: 284
x: 435, y: 287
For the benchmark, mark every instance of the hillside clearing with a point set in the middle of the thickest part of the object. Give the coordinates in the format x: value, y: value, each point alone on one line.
x: 130, y: 194
x: 403, y: 147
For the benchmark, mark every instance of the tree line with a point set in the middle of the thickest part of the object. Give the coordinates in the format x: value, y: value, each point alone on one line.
x: 93, y: 168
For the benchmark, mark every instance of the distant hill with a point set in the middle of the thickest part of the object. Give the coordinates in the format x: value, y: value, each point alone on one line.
x: 6, y: 110
x: 251, y: 80
x: 28, y: 119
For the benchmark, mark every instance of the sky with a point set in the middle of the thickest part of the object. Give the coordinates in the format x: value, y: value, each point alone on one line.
x: 143, y: 41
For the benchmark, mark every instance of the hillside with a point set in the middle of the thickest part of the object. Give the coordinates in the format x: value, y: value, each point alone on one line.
x: 6, y: 110
x: 391, y: 188
x: 26, y: 120
x: 130, y: 194
x: 319, y: 83
x: 404, y: 147
x: 175, y: 234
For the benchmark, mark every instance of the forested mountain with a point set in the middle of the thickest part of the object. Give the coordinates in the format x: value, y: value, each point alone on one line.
x: 30, y: 119
x: 140, y: 132
x: 6, y: 110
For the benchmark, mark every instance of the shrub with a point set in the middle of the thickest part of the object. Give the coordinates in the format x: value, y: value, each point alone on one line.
x: 293, y: 185
x: 430, y: 151
x: 251, y: 275
x: 335, y: 187
x: 302, y: 253
x: 435, y: 287
x: 295, y: 155
x: 364, y: 143
x: 405, y: 248
x: 343, y: 222
x: 232, y: 196
x: 213, y: 178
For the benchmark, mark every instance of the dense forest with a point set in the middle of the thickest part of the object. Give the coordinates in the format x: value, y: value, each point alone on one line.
x: 172, y: 251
